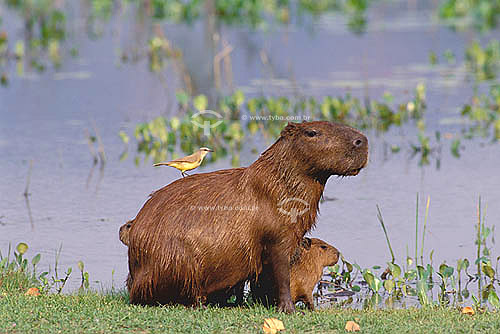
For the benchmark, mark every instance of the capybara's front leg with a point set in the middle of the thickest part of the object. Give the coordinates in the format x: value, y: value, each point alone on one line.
x: 308, y: 301
x: 280, y: 265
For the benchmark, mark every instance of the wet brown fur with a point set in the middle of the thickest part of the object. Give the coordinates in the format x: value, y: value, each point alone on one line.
x: 307, y: 271
x: 182, y: 249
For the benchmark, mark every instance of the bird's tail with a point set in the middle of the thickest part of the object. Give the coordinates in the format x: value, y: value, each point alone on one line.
x: 161, y: 164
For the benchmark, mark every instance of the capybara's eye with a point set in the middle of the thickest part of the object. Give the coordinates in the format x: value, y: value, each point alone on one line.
x: 128, y: 225
x: 311, y: 133
x: 323, y: 247
x: 358, y: 142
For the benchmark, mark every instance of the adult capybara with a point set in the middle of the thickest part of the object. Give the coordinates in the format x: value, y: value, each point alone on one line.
x: 124, y: 231
x: 208, y: 232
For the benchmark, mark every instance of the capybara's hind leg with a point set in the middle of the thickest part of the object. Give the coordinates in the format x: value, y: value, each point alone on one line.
x: 129, y: 282
x: 139, y: 289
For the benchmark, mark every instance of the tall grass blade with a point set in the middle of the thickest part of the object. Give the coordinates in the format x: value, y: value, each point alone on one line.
x: 425, y: 228
x: 416, y: 233
x: 381, y: 220
x: 479, y: 251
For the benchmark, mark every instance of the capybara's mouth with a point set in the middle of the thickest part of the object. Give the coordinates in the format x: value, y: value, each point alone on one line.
x: 354, y: 172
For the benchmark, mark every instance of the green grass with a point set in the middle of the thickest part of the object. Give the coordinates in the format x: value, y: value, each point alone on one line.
x: 92, y: 312
x: 96, y: 313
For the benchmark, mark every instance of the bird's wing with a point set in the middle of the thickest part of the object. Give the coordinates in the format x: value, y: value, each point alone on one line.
x: 189, y: 159
x: 195, y: 157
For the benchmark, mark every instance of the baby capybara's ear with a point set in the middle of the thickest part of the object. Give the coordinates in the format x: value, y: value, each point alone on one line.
x: 290, y: 129
x: 306, y: 243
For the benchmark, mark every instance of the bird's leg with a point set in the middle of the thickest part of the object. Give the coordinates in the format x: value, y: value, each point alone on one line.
x: 183, y: 174
x: 186, y: 173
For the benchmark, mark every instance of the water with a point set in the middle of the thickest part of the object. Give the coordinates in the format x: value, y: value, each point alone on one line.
x: 44, y: 118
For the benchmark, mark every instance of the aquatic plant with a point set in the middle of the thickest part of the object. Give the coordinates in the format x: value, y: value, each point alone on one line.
x: 45, y: 24
x: 419, y: 283
x: 484, y: 115
x: 17, y: 276
x: 16, y: 273
x: 46, y: 29
x: 483, y: 62
x: 480, y: 14
x: 235, y: 118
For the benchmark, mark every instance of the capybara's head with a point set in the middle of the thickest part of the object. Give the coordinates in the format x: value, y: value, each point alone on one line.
x: 326, y: 148
x: 319, y: 251
x: 124, y: 232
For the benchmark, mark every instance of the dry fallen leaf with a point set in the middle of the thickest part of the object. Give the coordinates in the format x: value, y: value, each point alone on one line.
x: 33, y: 292
x: 468, y: 310
x: 272, y: 326
x: 351, y: 326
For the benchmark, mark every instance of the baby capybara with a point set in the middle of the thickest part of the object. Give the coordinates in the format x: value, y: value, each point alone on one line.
x: 306, y: 269
x: 208, y: 232
x: 124, y: 230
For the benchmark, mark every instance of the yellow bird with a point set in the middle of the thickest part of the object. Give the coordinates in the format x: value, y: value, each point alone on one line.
x: 187, y: 163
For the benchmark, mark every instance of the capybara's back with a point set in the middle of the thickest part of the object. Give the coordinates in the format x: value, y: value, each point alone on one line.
x: 199, y: 244
x: 208, y: 232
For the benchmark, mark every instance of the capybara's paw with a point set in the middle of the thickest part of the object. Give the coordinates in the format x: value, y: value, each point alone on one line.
x: 286, y: 307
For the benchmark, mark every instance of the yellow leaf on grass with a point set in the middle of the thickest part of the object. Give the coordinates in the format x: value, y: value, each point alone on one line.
x: 33, y: 292
x: 351, y: 326
x: 272, y: 326
x: 468, y: 310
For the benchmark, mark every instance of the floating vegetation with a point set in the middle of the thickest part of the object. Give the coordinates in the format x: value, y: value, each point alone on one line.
x: 484, y: 115
x: 46, y: 29
x: 483, y: 15
x: 415, y: 282
x: 237, y: 118
x: 259, y: 13
x: 483, y: 63
x: 160, y: 50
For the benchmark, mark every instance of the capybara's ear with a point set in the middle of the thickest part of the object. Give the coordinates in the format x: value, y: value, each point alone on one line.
x: 290, y: 129
x: 306, y: 243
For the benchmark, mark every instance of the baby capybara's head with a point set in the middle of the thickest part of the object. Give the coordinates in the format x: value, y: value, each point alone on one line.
x: 124, y: 232
x: 318, y: 251
x: 327, y: 148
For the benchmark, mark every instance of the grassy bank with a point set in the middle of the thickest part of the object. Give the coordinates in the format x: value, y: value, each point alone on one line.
x: 91, y: 312
x: 95, y: 313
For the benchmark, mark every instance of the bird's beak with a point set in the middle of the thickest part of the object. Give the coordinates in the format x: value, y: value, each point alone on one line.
x: 209, y: 150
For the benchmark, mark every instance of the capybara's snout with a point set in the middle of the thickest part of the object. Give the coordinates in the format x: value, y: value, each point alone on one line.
x: 124, y: 232
x: 323, y: 253
x: 329, y: 148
